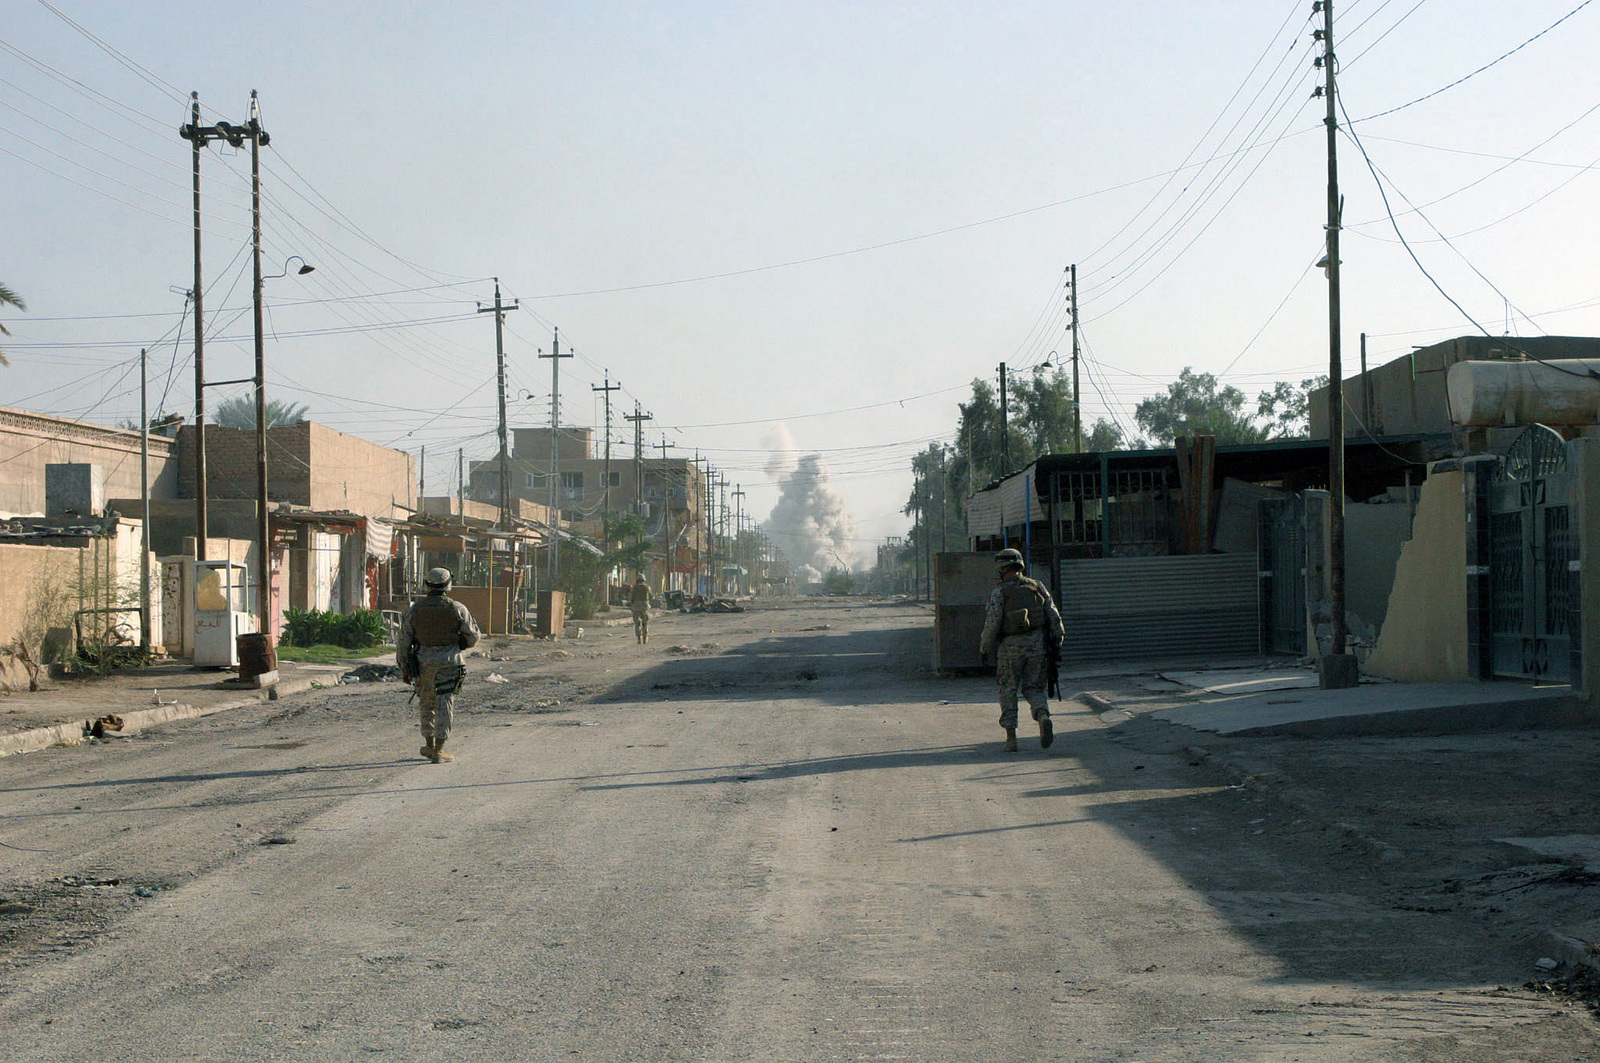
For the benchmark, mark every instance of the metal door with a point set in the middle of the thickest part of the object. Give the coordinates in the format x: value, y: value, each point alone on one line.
x: 1532, y: 561
x: 1281, y: 542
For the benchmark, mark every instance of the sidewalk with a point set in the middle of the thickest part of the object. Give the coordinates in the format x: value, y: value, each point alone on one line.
x: 1474, y: 790
x: 62, y: 710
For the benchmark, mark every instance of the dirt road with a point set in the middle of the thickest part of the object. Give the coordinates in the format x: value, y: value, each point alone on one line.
x: 765, y: 836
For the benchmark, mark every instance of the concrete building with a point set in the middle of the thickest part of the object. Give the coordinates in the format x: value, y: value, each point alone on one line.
x: 668, y: 492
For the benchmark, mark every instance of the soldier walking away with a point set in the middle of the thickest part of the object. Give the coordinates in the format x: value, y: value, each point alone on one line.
x: 436, y: 629
x: 639, y: 604
x: 1023, y: 624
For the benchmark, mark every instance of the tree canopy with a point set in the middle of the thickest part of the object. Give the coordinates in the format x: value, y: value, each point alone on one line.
x: 240, y: 412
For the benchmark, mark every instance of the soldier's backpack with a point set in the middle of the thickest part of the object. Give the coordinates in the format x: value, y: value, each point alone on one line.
x: 1023, y: 607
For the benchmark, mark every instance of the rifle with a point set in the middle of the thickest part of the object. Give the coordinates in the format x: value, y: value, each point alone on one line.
x: 1052, y: 656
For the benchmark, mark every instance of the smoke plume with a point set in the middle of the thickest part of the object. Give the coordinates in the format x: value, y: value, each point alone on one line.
x: 810, y: 523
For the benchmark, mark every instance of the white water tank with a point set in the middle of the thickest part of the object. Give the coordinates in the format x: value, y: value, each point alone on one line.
x: 1485, y: 394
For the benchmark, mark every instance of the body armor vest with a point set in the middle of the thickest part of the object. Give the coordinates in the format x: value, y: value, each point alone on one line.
x: 434, y: 622
x: 1023, y: 608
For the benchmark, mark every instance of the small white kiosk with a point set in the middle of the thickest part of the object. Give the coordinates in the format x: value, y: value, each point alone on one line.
x: 223, y: 611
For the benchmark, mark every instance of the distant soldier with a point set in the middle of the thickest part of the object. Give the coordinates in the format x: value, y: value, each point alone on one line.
x: 436, y: 629
x: 1020, y: 619
x: 639, y: 605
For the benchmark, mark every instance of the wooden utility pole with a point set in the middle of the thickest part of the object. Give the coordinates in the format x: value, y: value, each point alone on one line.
x: 638, y: 417
x: 1077, y: 396
x: 555, y: 357
x: 1005, y: 426
x: 198, y: 136
x: 605, y: 492
x: 499, y: 310
x: 666, y: 519
x: 1338, y: 668
x: 738, y: 526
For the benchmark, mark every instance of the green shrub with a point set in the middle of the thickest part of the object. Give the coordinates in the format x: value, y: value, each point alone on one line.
x: 313, y: 627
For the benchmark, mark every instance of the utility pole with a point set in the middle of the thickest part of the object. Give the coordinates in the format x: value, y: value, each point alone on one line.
x: 1077, y: 396
x: 738, y: 527
x: 555, y: 357
x: 422, y: 476
x: 1339, y: 669
x: 605, y: 492
x: 461, y: 482
x: 144, y: 496
x: 666, y: 519
x: 198, y: 136
x: 499, y: 310
x: 638, y: 417
x: 1005, y: 426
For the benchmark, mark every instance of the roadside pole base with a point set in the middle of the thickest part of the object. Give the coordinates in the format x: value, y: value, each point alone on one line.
x: 1339, y: 671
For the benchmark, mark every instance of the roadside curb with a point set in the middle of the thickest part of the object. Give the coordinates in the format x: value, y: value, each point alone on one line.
x: 134, y: 720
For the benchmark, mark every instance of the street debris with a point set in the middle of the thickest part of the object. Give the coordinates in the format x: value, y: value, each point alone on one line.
x: 371, y: 673
x: 98, y: 728
x: 495, y: 677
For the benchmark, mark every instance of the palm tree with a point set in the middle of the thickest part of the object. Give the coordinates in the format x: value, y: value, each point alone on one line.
x: 241, y: 413
x: 9, y: 298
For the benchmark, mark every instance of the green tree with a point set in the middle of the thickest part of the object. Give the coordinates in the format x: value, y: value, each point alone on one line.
x: 240, y: 412
x: 838, y: 581
x: 1042, y: 409
x: 1194, y: 404
x: 1287, y: 408
x: 1107, y: 436
x: 8, y: 298
x: 584, y: 573
x: 933, y: 504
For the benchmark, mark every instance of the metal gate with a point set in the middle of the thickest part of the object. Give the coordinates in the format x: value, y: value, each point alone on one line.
x: 1533, y: 561
x: 1282, y: 547
x: 1159, y: 608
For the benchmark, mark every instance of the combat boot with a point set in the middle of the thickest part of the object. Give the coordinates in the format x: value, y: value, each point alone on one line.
x: 1047, y: 732
x: 426, y: 752
x: 1011, y: 739
x: 439, y: 755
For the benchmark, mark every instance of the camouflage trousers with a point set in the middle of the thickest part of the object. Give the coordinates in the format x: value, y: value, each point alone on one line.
x: 641, y: 623
x: 436, y: 690
x: 1020, y: 670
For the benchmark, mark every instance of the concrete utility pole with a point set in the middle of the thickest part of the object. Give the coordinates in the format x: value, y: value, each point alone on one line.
x: 555, y: 357
x: 461, y: 481
x: 1339, y: 669
x: 499, y: 310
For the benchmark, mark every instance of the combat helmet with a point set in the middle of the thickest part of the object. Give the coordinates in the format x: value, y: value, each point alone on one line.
x: 1007, y: 558
x: 437, y: 580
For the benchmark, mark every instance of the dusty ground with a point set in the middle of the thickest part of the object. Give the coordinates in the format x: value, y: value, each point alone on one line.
x: 1421, y: 819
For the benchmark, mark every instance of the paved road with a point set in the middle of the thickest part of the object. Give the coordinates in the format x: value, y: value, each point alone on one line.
x: 781, y: 842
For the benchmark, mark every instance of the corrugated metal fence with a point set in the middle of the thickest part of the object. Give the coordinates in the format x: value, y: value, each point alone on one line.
x: 1159, y: 608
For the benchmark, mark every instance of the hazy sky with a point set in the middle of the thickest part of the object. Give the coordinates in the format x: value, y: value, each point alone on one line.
x: 826, y: 216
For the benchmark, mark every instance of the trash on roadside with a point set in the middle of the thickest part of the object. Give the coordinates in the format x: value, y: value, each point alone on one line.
x: 495, y: 677
x: 98, y: 728
x: 371, y: 673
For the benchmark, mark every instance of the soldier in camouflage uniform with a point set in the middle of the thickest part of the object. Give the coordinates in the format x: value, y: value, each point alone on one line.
x: 639, y: 605
x: 436, y: 629
x: 1019, y: 618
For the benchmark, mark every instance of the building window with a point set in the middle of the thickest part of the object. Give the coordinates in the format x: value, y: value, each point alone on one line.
x: 614, y: 479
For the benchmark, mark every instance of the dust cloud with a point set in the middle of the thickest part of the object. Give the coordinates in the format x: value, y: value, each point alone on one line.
x: 811, y: 523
